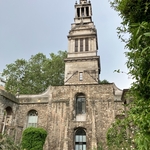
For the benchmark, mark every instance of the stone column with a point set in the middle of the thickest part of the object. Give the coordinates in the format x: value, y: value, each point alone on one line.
x: 83, y: 45
x: 94, y: 142
x: 94, y: 44
x: 72, y: 46
x: 69, y: 45
x: 84, y: 11
x: 76, y: 13
x: 80, y: 13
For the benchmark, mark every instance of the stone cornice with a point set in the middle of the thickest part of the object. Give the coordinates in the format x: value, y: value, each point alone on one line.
x: 81, y: 58
x: 8, y: 96
x: 83, y: 35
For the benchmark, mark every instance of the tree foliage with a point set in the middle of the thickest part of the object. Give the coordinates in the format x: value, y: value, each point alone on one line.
x: 132, y: 11
x: 33, y: 138
x: 135, y: 16
x: 7, y: 143
x: 36, y: 74
x: 117, y: 136
x: 99, y: 147
x: 103, y: 81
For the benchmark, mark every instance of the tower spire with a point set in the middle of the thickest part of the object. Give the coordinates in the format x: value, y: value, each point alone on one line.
x: 83, y: 1
x: 83, y: 12
x: 82, y: 65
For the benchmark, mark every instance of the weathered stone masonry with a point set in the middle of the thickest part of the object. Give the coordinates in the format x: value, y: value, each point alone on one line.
x: 56, y: 113
x: 10, y: 103
x: 78, y: 114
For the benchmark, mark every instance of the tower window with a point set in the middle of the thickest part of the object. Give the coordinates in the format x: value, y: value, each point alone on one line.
x: 86, y: 44
x: 81, y: 45
x: 82, y: 11
x: 80, y: 104
x: 76, y: 45
x: 80, y: 76
x: 87, y: 11
x: 78, y: 12
x: 80, y: 139
x: 32, y: 118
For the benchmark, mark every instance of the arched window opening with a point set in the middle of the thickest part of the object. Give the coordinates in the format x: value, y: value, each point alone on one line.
x: 80, y: 104
x: 80, y: 107
x: 9, y: 111
x: 8, y: 116
x: 32, y: 118
x: 80, y: 139
x: 7, y: 119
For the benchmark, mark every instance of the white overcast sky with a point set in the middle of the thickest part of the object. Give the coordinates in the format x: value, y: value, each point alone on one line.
x: 28, y: 27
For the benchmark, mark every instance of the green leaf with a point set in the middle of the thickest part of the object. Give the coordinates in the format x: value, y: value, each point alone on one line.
x: 138, y: 40
x: 147, y: 34
x: 145, y: 49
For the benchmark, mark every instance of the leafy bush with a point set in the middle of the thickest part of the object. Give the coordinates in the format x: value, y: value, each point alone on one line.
x: 99, y: 147
x: 33, y: 138
x: 7, y: 143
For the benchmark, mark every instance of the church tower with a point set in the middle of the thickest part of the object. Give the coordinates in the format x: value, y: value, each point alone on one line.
x: 82, y: 65
x: 77, y: 115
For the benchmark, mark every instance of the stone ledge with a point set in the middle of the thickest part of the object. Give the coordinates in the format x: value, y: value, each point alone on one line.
x: 36, y: 100
x: 9, y: 96
x: 82, y: 58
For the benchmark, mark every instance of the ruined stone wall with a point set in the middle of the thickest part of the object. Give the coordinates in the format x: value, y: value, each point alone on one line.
x: 58, y: 119
x: 57, y: 114
x: 22, y: 116
x: 100, y: 113
x: 8, y: 100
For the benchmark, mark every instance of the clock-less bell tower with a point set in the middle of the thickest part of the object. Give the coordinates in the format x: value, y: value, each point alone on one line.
x: 82, y: 65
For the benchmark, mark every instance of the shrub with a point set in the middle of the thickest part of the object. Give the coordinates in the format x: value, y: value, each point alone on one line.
x: 7, y: 143
x: 33, y: 138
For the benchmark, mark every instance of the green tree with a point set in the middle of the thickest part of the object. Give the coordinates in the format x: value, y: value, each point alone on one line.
x: 35, y: 75
x: 33, y: 138
x: 135, y: 16
x: 103, y: 81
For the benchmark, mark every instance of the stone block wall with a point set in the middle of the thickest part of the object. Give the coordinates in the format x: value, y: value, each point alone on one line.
x: 74, y: 79
x: 8, y: 100
x: 89, y: 66
x: 100, y: 113
x: 57, y: 114
x: 22, y: 116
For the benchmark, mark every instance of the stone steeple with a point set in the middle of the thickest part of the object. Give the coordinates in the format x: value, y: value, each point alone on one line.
x: 82, y: 65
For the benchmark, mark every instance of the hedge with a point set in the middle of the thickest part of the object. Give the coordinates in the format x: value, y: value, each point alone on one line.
x: 33, y: 138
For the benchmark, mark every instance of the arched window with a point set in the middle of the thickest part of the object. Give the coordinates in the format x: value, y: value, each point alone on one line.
x: 80, y: 139
x: 32, y: 118
x: 8, y: 111
x: 7, y: 119
x: 80, y: 104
